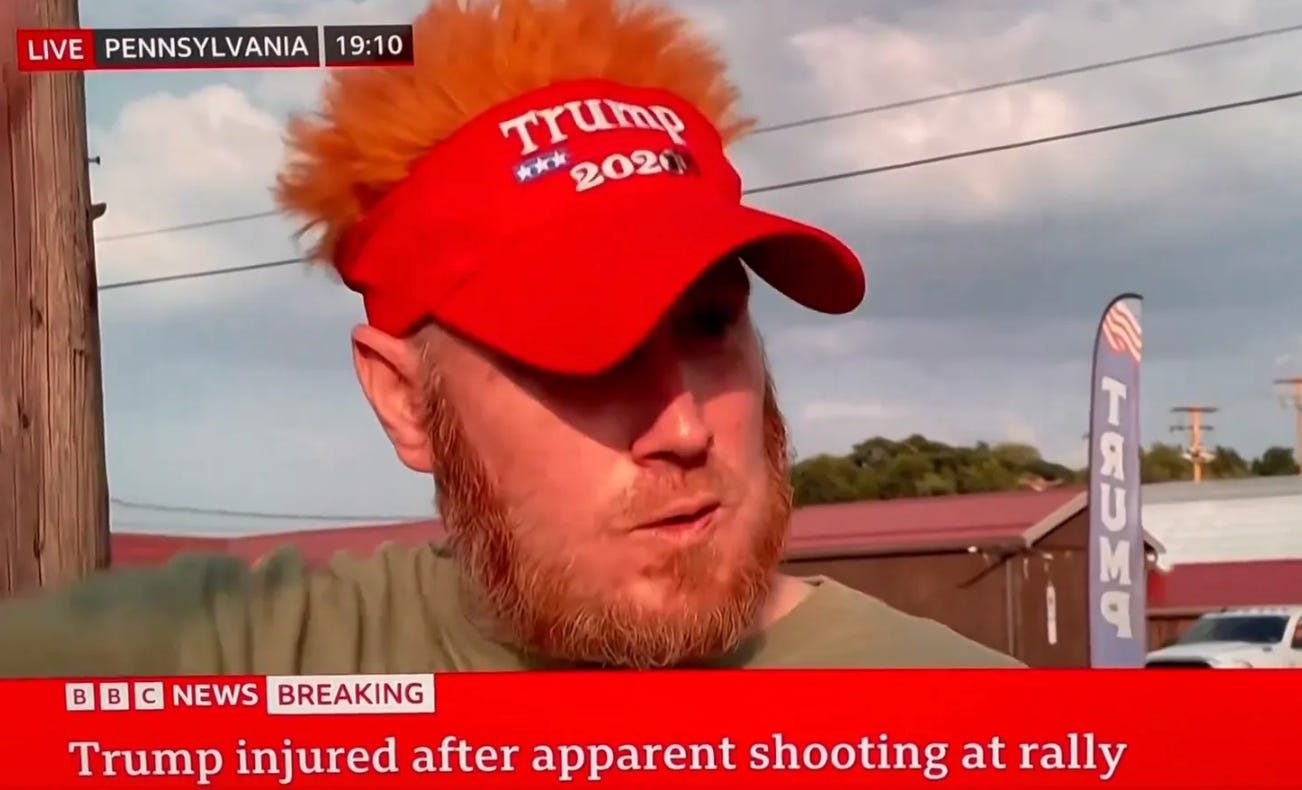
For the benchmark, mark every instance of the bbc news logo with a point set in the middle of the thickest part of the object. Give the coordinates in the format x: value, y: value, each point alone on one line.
x: 156, y: 695
x: 140, y: 695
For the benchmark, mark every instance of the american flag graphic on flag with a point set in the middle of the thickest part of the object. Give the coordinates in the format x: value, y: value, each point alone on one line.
x: 1122, y: 333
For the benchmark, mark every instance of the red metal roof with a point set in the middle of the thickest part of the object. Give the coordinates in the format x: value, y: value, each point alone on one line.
x: 876, y: 527
x: 1217, y: 585
x: 317, y: 546
x: 129, y: 549
x: 943, y: 522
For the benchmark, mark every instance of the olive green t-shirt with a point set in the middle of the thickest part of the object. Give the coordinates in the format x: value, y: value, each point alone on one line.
x: 397, y: 611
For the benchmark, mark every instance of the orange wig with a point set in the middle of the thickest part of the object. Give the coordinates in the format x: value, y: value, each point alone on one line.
x: 471, y: 55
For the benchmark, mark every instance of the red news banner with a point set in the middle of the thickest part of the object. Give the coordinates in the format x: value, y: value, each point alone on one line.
x: 752, y: 729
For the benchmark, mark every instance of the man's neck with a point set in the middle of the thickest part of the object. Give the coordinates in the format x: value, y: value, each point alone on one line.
x: 786, y: 593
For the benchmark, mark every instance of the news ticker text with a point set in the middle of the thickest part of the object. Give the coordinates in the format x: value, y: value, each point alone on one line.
x: 420, y: 751
x: 114, y: 49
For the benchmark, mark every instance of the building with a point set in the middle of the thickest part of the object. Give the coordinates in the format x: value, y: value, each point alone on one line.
x: 1007, y: 569
x: 1179, y: 596
x: 1247, y: 520
x: 1228, y: 544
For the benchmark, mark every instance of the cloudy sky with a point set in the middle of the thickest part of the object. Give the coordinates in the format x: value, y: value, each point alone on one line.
x: 986, y: 275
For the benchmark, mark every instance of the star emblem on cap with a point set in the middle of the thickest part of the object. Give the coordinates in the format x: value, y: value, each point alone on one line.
x: 535, y: 167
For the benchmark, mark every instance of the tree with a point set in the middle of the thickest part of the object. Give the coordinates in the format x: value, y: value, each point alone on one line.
x: 1227, y: 464
x: 881, y: 468
x: 1275, y: 462
x: 826, y: 479
x: 1163, y: 463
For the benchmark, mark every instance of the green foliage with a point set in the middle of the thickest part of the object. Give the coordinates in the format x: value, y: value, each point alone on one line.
x: 881, y: 468
x: 1163, y: 463
x: 1275, y: 461
x: 1227, y: 464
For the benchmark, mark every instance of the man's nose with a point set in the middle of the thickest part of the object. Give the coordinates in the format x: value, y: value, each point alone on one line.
x: 676, y: 429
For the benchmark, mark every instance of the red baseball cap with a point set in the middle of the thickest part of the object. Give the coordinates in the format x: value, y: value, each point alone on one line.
x: 558, y: 228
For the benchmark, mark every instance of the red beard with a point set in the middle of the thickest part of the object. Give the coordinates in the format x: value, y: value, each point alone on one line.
x: 531, y: 600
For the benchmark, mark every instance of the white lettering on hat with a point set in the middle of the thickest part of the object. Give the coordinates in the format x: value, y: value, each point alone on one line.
x: 598, y: 122
x: 589, y: 116
x: 550, y: 117
x: 632, y: 116
x: 671, y: 123
x: 520, y: 125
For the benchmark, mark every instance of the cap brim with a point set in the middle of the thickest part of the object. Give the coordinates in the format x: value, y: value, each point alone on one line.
x: 579, y: 297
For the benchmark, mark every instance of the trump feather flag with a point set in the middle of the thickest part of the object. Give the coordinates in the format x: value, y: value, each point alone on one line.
x: 1117, y: 600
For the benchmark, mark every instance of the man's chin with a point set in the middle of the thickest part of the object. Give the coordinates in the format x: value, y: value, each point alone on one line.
x: 654, y: 601
x: 653, y: 621
x: 671, y: 636
x: 702, y: 588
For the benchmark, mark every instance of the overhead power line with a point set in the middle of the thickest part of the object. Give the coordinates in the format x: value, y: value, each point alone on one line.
x: 845, y: 174
x: 259, y: 514
x: 208, y: 223
x: 818, y: 119
x: 1048, y: 75
x: 1053, y: 138
x: 167, y: 278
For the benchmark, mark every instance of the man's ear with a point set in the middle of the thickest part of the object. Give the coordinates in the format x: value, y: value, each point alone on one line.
x: 389, y: 370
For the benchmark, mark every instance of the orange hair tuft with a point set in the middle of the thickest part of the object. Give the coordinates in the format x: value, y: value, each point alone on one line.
x: 471, y: 55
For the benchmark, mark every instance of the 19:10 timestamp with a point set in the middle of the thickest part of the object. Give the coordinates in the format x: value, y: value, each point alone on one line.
x: 368, y: 45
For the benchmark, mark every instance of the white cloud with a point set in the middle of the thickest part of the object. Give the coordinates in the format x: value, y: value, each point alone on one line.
x: 213, y: 138
x: 170, y: 160
x: 842, y: 338
x: 1292, y: 356
x: 338, y: 12
x: 849, y: 62
x: 712, y: 21
x: 818, y: 411
x: 870, y: 62
x: 1018, y: 429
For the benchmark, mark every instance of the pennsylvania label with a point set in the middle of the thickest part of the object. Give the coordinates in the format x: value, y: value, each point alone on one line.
x: 207, y: 47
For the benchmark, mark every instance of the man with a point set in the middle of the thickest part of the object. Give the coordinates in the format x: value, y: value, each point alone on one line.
x: 551, y: 248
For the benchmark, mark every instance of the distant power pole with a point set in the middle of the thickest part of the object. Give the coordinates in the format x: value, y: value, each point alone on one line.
x: 1191, y: 423
x: 53, y: 489
x: 1291, y: 395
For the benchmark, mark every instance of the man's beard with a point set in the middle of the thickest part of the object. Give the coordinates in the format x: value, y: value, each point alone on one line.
x: 527, y: 596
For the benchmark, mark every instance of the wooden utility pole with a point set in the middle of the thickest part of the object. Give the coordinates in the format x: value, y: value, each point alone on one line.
x: 1292, y: 396
x: 53, y: 487
x: 1195, y: 427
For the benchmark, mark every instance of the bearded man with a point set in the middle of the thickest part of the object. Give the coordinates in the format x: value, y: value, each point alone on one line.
x: 555, y: 264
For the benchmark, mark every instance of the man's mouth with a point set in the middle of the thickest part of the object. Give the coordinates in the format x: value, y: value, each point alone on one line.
x: 683, y: 517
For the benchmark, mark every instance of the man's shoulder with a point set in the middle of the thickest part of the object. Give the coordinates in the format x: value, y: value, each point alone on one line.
x: 216, y: 614
x: 114, y: 622
x: 840, y: 627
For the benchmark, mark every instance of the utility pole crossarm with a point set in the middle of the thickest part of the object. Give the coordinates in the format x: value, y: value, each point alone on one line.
x: 1192, y: 424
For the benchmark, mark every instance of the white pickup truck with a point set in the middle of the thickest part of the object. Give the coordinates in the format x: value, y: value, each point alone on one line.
x: 1239, y: 639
